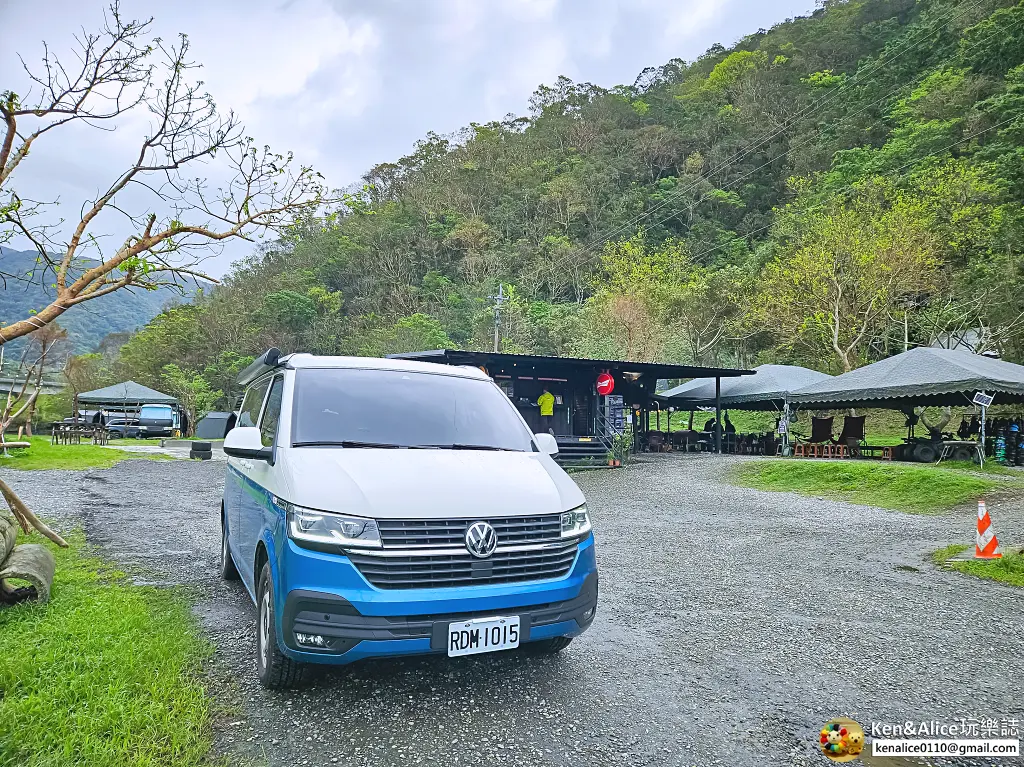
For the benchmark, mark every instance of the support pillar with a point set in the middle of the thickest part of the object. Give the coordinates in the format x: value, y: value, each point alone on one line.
x: 718, y: 414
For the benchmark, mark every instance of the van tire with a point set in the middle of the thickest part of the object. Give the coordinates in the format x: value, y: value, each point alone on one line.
x: 228, y: 571
x: 276, y: 670
x: 548, y: 646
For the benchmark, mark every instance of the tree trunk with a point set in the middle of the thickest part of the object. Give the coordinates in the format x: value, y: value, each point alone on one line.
x: 32, y: 405
x: 8, y: 537
x: 25, y: 516
x: 24, y: 327
x: 33, y: 563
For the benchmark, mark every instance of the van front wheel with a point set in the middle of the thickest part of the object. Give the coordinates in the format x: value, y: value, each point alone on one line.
x: 228, y: 571
x: 275, y: 669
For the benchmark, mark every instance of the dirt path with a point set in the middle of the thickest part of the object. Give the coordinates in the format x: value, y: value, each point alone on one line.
x: 732, y: 624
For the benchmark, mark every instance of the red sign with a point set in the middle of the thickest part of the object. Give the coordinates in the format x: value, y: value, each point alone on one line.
x: 605, y: 384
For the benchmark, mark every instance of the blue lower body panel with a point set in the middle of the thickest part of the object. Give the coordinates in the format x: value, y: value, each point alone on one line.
x: 324, y: 595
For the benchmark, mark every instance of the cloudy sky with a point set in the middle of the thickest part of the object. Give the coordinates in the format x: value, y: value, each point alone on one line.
x: 346, y: 84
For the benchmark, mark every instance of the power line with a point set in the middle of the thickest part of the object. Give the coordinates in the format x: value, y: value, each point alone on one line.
x: 590, y: 246
x: 851, y: 187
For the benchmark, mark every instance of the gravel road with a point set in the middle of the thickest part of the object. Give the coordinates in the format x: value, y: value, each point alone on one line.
x: 732, y: 624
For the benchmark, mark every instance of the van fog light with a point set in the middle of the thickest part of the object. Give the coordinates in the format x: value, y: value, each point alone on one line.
x: 589, y: 615
x: 312, y: 640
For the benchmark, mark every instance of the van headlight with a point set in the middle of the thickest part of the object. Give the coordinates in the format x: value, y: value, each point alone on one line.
x: 326, y: 528
x: 575, y: 522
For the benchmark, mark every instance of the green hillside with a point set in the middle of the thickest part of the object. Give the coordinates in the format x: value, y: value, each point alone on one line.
x: 87, y: 323
x: 807, y: 195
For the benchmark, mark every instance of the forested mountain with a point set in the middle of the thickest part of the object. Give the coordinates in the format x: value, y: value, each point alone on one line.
x: 88, y: 324
x: 809, y: 195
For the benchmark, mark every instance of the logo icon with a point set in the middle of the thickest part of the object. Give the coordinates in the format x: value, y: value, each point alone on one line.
x: 841, y: 740
x: 481, y: 540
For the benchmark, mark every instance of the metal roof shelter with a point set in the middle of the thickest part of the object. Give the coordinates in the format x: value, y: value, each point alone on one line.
x: 486, y: 359
x: 126, y: 393
x: 581, y: 413
x: 921, y: 376
x: 767, y: 389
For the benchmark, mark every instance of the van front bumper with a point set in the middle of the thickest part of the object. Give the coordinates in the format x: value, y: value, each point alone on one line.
x: 350, y: 620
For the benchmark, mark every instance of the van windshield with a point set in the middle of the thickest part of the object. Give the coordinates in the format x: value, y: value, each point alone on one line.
x: 387, y: 408
x: 156, y: 411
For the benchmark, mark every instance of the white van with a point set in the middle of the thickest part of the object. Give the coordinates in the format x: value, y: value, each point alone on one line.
x: 381, y: 507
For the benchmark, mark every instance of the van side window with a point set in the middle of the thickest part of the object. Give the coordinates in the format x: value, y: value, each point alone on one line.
x: 272, y: 412
x: 249, y: 413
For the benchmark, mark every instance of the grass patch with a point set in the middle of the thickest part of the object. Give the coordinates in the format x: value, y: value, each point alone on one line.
x: 941, y: 556
x: 132, y: 441
x: 106, y: 674
x: 1009, y: 569
x: 43, y: 455
x: 990, y: 467
x: 913, y: 488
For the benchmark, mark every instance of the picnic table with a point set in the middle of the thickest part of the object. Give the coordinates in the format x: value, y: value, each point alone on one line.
x: 72, y: 434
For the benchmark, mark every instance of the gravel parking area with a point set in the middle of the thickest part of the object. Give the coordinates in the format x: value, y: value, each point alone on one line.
x: 732, y: 624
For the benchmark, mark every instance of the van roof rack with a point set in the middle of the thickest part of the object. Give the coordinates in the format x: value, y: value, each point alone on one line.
x: 266, y: 362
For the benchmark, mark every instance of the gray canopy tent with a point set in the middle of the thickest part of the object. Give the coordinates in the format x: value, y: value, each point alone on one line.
x: 767, y: 389
x: 126, y: 393
x: 922, y: 376
x: 126, y: 397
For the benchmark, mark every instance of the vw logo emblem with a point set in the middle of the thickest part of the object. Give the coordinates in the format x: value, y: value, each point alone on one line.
x: 481, y: 540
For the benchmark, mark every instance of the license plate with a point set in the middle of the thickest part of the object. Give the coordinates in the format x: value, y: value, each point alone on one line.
x: 483, y: 635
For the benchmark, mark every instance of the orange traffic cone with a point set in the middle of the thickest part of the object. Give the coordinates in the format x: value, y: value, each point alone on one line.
x: 987, y: 545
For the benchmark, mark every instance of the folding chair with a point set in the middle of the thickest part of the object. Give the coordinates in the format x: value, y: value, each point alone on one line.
x: 819, y: 444
x: 852, y: 436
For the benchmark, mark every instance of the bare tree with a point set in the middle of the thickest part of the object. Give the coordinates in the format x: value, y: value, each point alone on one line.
x: 119, y: 74
x: 17, y: 402
x: 46, y: 340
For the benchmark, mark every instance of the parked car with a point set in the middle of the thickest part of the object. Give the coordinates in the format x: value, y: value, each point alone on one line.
x: 380, y: 508
x: 123, y: 427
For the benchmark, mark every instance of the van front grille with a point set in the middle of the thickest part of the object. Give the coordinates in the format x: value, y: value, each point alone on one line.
x: 462, y: 569
x: 445, y: 533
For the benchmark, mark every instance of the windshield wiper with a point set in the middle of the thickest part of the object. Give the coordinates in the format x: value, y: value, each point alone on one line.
x: 461, y: 446
x: 353, y: 443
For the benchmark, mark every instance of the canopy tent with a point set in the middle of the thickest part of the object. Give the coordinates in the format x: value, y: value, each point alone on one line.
x: 767, y: 389
x: 125, y: 394
x: 921, y: 376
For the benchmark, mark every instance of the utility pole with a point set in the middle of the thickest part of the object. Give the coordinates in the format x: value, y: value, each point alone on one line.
x: 498, y: 301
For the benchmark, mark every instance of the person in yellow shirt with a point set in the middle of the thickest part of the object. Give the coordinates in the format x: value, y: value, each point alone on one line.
x: 546, y: 403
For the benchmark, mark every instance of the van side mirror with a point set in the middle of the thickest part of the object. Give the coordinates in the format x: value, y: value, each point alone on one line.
x: 545, y: 443
x: 246, y: 442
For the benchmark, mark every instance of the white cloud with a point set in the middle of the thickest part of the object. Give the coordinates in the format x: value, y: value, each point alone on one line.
x: 686, y: 24
x: 347, y: 84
